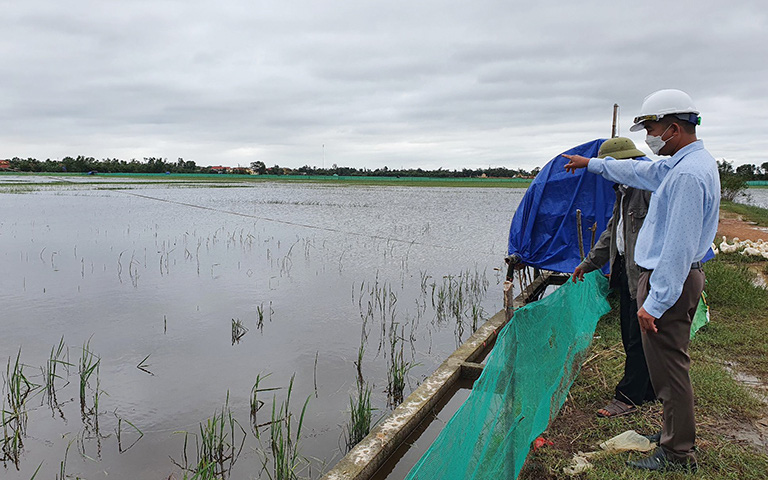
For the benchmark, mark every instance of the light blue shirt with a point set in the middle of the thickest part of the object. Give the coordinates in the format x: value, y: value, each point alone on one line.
x: 682, y: 216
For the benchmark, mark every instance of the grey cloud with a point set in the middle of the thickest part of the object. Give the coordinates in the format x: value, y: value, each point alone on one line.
x: 429, y: 84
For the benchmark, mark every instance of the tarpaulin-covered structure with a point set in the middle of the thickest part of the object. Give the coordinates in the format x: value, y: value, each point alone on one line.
x: 543, y: 231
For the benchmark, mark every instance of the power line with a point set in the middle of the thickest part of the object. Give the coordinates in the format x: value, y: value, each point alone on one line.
x: 304, y: 225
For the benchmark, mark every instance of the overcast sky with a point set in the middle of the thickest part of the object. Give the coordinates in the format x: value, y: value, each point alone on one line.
x: 427, y: 84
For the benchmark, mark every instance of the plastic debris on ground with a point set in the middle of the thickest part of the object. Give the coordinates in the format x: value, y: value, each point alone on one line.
x: 624, y: 442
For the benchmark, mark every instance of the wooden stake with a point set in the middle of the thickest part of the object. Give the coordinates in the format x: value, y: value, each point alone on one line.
x: 579, y: 231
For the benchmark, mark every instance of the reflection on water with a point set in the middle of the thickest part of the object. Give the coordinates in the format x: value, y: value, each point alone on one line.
x: 152, y: 283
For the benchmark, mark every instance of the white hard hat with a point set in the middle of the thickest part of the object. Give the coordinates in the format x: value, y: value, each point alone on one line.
x: 666, y: 102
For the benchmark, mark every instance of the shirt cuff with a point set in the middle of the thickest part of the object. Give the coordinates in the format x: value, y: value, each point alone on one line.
x: 586, y: 266
x: 654, y: 308
x: 596, y: 165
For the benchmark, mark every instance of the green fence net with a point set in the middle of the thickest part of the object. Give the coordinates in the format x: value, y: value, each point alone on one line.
x: 702, y: 315
x: 525, y: 382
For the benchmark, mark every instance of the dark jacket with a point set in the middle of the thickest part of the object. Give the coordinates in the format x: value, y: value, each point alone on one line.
x: 635, y: 208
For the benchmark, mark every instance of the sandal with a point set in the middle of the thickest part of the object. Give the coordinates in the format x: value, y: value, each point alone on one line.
x: 616, y: 408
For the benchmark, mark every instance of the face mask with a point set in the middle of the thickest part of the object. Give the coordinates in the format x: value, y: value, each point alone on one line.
x: 656, y: 143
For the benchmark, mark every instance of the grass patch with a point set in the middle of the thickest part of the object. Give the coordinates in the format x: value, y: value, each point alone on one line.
x: 719, y: 394
x: 739, y: 310
x: 749, y: 212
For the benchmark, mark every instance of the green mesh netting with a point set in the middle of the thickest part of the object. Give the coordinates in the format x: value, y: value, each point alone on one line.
x: 702, y: 315
x: 524, y: 384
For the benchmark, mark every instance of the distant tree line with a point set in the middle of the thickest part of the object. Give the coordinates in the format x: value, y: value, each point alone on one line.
x: 108, y: 165
x: 262, y: 169
x: 750, y: 171
x: 82, y: 164
x: 733, y: 180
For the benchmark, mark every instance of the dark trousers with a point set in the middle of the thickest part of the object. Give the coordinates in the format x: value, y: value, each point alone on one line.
x: 668, y: 363
x: 635, y: 387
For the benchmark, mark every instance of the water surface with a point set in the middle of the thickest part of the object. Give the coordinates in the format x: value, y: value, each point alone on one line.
x: 153, y: 275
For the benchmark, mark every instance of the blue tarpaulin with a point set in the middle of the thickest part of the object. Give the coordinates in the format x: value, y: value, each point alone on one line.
x: 543, y: 231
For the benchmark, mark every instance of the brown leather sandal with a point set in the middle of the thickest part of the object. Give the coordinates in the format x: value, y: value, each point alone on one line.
x: 616, y: 408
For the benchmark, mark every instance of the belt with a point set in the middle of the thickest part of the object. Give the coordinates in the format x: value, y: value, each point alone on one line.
x: 694, y: 266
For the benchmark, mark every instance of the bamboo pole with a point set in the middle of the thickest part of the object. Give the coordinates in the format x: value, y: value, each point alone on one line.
x: 579, y: 231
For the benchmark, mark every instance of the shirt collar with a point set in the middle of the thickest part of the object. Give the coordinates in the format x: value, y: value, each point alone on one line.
x: 691, y: 147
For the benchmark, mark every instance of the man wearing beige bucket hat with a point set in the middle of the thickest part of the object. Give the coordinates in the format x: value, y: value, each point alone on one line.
x: 616, y: 246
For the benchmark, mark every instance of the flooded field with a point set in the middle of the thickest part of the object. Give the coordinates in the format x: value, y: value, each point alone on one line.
x: 151, y: 330
x: 755, y: 196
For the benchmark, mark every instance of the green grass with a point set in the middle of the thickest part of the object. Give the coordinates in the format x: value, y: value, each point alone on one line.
x: 739, y: 309
x: 749, y: 212
x: 736, y: 335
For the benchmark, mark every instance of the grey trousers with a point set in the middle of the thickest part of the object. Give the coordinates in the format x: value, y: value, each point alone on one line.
x: 666, y: 353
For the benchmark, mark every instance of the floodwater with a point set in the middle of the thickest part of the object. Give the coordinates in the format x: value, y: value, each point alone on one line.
x: 152, y: 278
x: 755, y: 196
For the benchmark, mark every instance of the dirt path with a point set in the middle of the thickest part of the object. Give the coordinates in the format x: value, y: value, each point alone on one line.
x: 733, y: 225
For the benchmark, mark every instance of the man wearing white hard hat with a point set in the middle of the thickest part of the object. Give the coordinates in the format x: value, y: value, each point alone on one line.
x: 678, y: 230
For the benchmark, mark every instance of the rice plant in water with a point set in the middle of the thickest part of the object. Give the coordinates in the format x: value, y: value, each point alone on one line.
x: 238, y: 330
x: 477, y: 313
x: 359, y: 362
x: 283, y: 460
x: 256, y: 403
x: 51, y: 371
x: 144, y: 366
x: 360, y: 411
x: 14, y: 411
x: 218, y: 446
x: 89, y: 365
x: 62, y: 475
x: 260, y: 312
x: 459, y: 296
x: 119, y: 434
x: 398, y: 367
x: 361, y: 414
x: 90, y: 418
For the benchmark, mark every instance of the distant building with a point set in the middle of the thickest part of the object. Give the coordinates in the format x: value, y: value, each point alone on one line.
x: 220, y: 169
x: 5, y: 164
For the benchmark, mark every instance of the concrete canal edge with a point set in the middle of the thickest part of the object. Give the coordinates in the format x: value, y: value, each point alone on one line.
x: 372, y: 452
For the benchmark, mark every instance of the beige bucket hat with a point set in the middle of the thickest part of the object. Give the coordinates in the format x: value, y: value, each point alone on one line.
x: 619, y: 148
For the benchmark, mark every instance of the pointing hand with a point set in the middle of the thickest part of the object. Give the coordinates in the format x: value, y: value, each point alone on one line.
x: 576, y: 162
